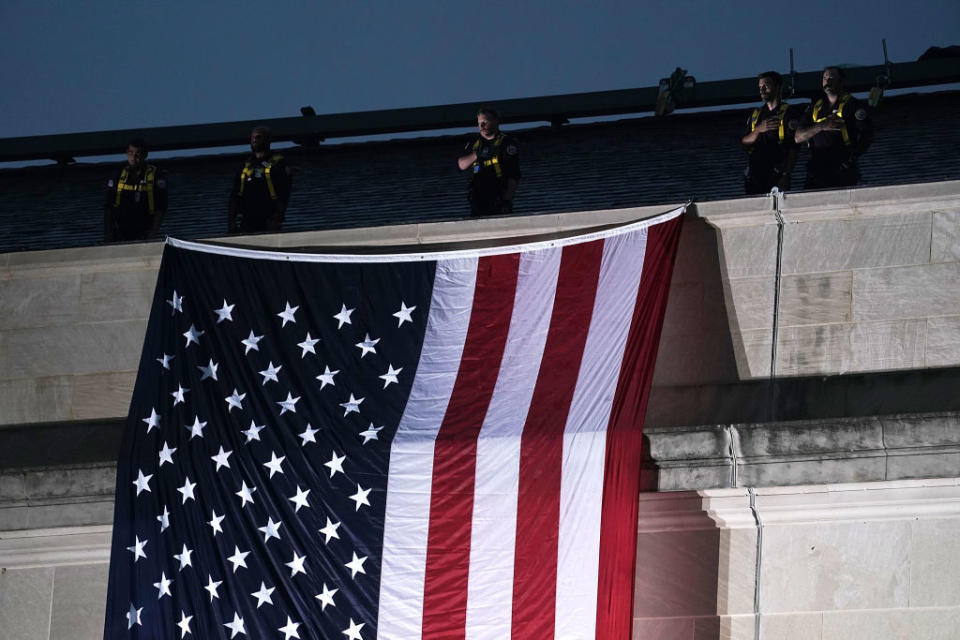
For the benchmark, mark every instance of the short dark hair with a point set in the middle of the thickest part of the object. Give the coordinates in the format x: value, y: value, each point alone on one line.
x: 839, y: 70
x: 773, y: 76
x: 267, y: 133
x: 138, y: 143
x: 490, y: 112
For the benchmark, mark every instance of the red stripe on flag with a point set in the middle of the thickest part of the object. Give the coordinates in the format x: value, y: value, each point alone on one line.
x: 541, y: 450
x: 455, y: 449
x: 621, y: 480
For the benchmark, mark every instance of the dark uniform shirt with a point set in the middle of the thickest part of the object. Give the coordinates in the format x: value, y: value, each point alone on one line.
x: 497, y: 161
x: 770, y: 153
x: 833, y: 154
x: 260, y: 193
x: 133, y: 197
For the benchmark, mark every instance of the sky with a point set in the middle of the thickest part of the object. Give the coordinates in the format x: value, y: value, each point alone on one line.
x: 92, y: 66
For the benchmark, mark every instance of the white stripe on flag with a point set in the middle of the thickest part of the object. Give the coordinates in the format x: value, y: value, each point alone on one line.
x: 407, y: 517
x: 493, y: 533
x: 584, y: 443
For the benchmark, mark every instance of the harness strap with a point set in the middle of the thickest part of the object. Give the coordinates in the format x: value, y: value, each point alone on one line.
x: 249, y: 172
x: 843, y: 101
x: 148, y: 184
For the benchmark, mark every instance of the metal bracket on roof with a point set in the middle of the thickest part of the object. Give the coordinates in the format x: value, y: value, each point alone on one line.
x: 308, y: 141
x: 557, y: 122
x: 789, y: 88
x: 884, y: 80
x: 673, y: 89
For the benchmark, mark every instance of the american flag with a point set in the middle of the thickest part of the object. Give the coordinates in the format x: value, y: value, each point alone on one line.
x: 409, y: 446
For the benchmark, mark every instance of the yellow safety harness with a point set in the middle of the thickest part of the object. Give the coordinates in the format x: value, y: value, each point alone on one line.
x: 250, y: 169
x: 781, y: 114
x: 495, y: 160
x: 147, y: 184
x: 843, y: 101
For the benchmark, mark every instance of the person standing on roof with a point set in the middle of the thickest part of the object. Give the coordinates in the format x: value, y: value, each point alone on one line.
x: 136, y: 198
x: 769, y: 139
x: 838, y: 129
x: 261, y: 189
x: 493, y: 160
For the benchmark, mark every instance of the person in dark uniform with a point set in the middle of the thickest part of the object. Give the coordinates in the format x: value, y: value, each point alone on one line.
x: 261, y: 189
x: 769, y: 139
x: 493, y: 160
x: 838, y: 130
x: 136, y: 198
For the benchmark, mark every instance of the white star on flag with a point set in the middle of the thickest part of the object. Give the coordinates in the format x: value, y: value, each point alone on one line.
x: 137, y: 548
x: 270, y: 373
x: 296, y: 564
x: 209, y: 371
x: 221, y: 458
x: 351, y: 406
x: 308, y: 435
x: 166, y: 454
x: 326, y: 377
x: 133, y: 616
x: 274, y: 463
x: 184, y: 624
x: 164, y: 519
x: 270, y: 530
x: 300, y: 499
x: 187, y: 490
x: 246, y: 494
x: 165, y: 361
x: 370, y: 433
x: 356, y: 565
x: 335, y: 464
x: 360, y: 497
x: 344, y: 316
x: 235, y: 401
x: 184, y: 557
x: 176, y: 303
x: 178, y: 394
x: 196, y: 429
x: 236, y: 626
x: 142, y: 483
x: 326, y: 597
x: 238, y: 559
x: 253, y: 433
x: 163, y: 586
x: 289, y: 404
x: 330, y: 530
x: 263, y: 595
x: 288, y: 315
x: 251, y: 342
x: 215, y: 522
x: 367, y: 346
x: 308, y: 345
x: 212, y: 587
x: 403, y: 315
x: 225, y: 312
x: 192, y: 335
x: 390, y: 376
x: 353, y: 631
x: 290, y: 629
x: 153, y: 421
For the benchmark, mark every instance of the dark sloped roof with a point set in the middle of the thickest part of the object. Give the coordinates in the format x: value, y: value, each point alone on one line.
x: 605, y: 165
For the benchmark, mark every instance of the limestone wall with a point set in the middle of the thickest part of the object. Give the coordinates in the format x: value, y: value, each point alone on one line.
x: 870, y: 281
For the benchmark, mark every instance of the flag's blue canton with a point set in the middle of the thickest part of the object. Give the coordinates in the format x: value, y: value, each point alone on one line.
x: 252, y: 479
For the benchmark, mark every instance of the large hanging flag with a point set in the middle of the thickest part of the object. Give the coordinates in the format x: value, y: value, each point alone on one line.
x: 420, y: 445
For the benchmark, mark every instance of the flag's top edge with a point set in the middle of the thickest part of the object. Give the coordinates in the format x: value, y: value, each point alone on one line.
x: 418, y: 256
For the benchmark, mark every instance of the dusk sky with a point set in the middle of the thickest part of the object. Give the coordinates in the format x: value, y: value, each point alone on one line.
x: 90, y: 66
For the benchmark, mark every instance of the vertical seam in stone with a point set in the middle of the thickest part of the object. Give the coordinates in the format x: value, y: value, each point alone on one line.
x: 732, y: 446
x: 53, y: 582
x: 756, y: 577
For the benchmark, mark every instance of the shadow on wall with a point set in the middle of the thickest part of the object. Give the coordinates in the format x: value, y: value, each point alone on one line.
x: 677, y: 576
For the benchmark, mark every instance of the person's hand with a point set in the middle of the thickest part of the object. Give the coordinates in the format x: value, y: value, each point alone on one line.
x: 770, y: 124
x: 832, y: 123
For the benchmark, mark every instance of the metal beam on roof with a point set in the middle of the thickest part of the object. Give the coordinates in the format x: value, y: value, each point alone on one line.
x: 550, y: 109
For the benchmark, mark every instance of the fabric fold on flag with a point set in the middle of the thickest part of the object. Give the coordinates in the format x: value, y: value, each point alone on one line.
x: 398, y: 446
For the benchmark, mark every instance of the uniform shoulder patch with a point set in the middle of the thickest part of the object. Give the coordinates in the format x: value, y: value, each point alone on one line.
x: 512, y: 149
x: 861, y: 114
x: 110, y: 183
